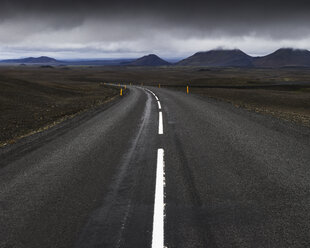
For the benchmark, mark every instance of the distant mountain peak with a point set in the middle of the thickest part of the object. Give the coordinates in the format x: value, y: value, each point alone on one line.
x: 33, y: 60
x: 149, y: 60
x: 291, y: 49
x: 219, y: 58
x: 219, y: 50
x: 151, y: 55
x: 285, y: 57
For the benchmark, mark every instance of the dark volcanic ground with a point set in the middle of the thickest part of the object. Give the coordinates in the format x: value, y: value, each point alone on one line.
x: 41, y: 99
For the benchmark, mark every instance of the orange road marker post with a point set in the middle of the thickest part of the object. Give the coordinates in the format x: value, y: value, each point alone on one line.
x: 121, y: 92
x: 158, y: 85
x: 187, y: 89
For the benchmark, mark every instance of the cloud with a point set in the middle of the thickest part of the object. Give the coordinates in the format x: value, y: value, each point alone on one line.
x: 129, y: 28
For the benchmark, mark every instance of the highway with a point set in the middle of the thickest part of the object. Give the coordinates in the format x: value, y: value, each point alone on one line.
x: 159, y: 168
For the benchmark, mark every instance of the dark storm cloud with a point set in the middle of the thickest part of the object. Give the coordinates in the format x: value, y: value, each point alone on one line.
x: 271, y: 18
x: 94, y: 28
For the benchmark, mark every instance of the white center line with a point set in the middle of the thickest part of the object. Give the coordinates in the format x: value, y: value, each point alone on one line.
x: 160, y: 123
x: 159, y: 106
x: 159, y: 204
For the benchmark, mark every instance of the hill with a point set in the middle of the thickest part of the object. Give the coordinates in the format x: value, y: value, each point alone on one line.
x: 218, y: 58
x: 149, y: 60
x: 284, y: 57
x: 48, y: 60
x: 32, y: 60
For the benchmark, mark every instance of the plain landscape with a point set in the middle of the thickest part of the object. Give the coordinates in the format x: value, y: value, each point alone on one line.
x: 89, y: 181
x: 154, y: 124
x: 35, y: 97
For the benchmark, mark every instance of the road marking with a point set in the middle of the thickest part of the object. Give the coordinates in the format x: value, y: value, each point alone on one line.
x: 159, y: 106
x: 153, y: 94
x: 160, y: 123
x: 159, y: 204
x: 160, y: 120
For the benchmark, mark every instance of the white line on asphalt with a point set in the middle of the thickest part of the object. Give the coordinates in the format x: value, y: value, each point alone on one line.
x: 160, y: 123
x: 160, y: 120
x: 153, y: 94
x: 159, y: 204
x: 159, y: 106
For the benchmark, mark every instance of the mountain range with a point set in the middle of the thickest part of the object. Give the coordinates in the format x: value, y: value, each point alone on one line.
x: 284, y: 57
x: 32, y: 60
x: 48, y: 60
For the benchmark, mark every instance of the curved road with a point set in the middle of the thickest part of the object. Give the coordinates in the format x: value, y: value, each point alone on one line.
x: 183, y: 171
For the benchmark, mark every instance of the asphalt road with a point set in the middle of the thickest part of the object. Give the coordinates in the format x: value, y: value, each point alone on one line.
x: 204, y: 174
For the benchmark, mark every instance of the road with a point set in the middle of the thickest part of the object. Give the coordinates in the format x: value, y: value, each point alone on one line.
x: 183, y: 171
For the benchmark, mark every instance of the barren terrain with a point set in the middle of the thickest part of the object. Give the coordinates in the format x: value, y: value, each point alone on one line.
x: 33, y: 98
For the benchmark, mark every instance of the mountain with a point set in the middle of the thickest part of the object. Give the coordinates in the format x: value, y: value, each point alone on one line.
x: 149, y: 60
x: 31, y: 60
x: 48, y: 60
x: 218, y: 58
x: 284, y: 57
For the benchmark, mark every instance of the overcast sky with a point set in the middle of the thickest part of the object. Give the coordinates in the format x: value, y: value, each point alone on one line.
x: 132, y: 28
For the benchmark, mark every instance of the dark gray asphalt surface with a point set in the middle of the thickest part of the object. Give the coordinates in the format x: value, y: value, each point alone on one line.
x: 233, y: 178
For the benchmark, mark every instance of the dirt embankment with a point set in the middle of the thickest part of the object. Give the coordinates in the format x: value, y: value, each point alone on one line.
x: 35, y: 99
x: 291, y: 105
